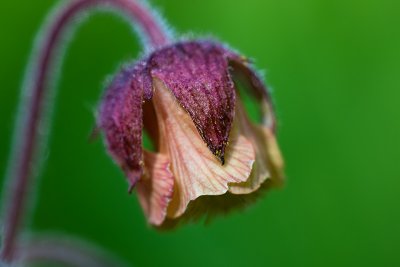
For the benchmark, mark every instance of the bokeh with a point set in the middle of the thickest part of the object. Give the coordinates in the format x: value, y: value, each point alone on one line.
x: 334, y: 70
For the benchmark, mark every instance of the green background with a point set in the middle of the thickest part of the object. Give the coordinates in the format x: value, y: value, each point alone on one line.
x: 334, y: 67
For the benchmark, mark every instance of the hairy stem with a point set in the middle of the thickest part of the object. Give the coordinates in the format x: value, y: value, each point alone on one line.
x: 67, y: 252
x: 32, y: 110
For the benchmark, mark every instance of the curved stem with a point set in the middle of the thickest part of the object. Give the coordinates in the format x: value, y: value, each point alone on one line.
x: 32, y: 111
x: 67, y: 252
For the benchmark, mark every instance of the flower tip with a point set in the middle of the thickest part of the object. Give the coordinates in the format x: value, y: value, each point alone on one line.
x: 222, y: 159
x: 220, y: 154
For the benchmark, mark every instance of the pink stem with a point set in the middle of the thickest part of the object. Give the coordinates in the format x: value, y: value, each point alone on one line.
x: 27, y: 128
x: 65, y: 251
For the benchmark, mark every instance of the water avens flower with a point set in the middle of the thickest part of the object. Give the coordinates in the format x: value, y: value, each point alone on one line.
x: 184, y: 95
x: 209, y: 156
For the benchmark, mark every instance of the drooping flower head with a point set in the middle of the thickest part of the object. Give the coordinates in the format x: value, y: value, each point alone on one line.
x: 209, y: 155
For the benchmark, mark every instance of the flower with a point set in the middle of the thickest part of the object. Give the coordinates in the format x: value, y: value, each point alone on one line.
x: 210, y: 156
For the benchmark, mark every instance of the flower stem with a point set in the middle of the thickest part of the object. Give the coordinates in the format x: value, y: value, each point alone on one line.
x: 65, y: 251
x: 29, y: 125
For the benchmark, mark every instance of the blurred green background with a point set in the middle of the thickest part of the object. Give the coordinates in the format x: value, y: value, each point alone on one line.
x: 334, y: 67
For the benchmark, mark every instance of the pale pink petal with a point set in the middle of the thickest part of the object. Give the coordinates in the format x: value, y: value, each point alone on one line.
x: 155, y: 188
x: 269, y: 162
x: 196, y: 170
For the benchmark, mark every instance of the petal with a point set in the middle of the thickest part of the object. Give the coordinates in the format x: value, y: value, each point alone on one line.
x: 120, y: 116
x: 197, y: 74
x: 197, y: 172
x: 155, y: 188
x: 269, y: 162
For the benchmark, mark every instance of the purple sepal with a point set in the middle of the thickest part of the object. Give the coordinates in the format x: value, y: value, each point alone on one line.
x: 243, y: 70
x: 197, y: 73
x: 121, y: 118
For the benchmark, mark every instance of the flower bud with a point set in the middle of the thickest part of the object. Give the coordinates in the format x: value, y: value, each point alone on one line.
x: 185, y: 96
